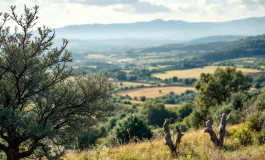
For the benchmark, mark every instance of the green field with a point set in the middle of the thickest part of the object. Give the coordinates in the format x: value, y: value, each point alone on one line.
x: 195, y: 73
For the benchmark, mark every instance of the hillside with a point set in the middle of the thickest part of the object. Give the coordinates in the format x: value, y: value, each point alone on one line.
x: 160, y: 30
x: 195, y: 145
x: 214, y: 39
x: 249, y: 43
x: 248, y: 47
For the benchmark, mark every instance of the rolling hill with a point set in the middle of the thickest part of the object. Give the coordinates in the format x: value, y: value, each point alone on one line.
x: 160, y: 30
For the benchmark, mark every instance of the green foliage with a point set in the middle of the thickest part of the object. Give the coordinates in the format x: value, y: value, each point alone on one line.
x: 258, y: 138
x: 186, y: 97
x: 216, y: 88
x: 194, y: 119
x: 184, y: 110
x: 217, y: 111
x: 258, y: 82
x: 256, y: 121
x: 244, y: 136
x: 89, y: 137
x: 155, y: 113
x: 131, y: 127
x: 256, y: 114
x: 39, y: 110
x: 142, y: 98
x: 238, y: 99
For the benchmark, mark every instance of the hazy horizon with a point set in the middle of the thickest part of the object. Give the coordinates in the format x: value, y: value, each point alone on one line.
x: 60, y: 13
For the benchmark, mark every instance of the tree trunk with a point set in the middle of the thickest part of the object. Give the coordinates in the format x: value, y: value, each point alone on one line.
x: 12, y: 153
x: 222, y: 129
x: 218, y: 142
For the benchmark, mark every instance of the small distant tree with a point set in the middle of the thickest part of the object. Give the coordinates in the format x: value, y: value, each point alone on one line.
x: 160, y: 91
x: 42, y: 111
x: 143, y: 98
x: 175, y: 79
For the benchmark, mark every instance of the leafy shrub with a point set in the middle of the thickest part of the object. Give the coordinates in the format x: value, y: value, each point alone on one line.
x: 131, y: 127
x: 256, y: 121
x: 216, y: 113
x: 258, y: 138
x: 256, y: 114
x: 155, y: 113
x: 184, y: 110
x: 89, y: 137
x: 244, y: 136
x: 194, y: 119
x: 143, y: 98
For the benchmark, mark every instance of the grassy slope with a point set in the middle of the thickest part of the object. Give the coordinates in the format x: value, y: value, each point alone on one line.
x: 195, y: 145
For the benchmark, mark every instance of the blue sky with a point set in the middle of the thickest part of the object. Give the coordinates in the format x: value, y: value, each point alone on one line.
x: 58, y: 13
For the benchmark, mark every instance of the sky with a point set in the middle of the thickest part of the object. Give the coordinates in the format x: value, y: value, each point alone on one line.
x: 59, y: 13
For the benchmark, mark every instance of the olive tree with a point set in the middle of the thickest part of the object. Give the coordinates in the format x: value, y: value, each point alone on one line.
x: 41, y: 109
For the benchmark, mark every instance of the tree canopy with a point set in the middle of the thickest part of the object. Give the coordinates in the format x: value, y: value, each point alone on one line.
x: 132, y: 127
x: 40, y: 108
x: 214, y: 89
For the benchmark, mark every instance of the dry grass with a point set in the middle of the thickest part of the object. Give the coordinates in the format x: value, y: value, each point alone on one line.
x: 195, y: 73
x: 195, y: 145
x: 154, y: 92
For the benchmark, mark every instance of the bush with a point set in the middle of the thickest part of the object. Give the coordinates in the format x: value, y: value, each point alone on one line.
x: 143, y: 98
x: 194, y: 119
x: 131, y: 127
x: 89, y: 137
x: 184, y: 110
x: 244, y: 136
x: 236, y: 115
x: 111, y: 123
x: 256, y: 114
x: 156, y: 113
x: 258, y: 138
x: 256, y: 121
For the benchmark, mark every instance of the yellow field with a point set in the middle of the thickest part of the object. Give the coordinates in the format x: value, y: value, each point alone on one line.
x: 154, y: 92
x: 195, y: 145
x: 134, y: 84
x: 195, y: 73
x: 125, y: 60
x: 95, y: 56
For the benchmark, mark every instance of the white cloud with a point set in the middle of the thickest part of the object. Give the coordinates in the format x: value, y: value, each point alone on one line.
x: 58, y: 13
x: 143, y: 8
x: 103, y: 2
x: 248, y: 4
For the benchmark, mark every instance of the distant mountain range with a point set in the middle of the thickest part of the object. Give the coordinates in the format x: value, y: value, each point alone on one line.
x: 163, y: 30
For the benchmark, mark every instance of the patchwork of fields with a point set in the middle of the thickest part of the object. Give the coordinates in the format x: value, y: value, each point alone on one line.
x: 195, y: 73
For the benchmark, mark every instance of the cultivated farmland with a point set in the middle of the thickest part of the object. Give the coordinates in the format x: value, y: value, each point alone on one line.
x: 195, y: 73
x: 154, y: 92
